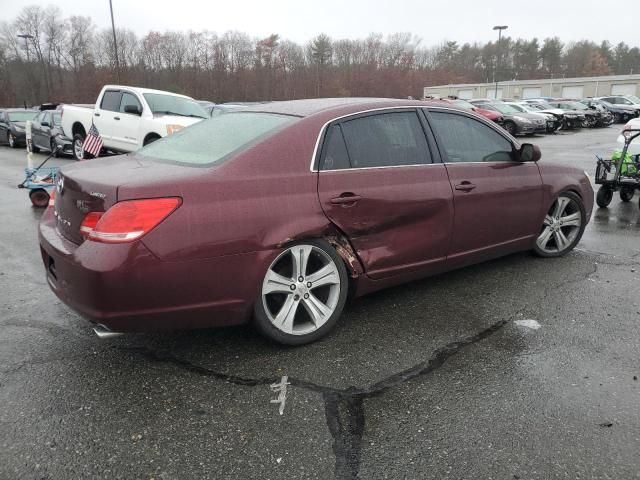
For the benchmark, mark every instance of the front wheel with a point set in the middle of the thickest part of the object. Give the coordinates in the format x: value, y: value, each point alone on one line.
x: 11, y: 140
x: 303, y: 293
x: 510, y: 127
x: 562, y: 227
x: 627, y: 193
x: 604, y: 196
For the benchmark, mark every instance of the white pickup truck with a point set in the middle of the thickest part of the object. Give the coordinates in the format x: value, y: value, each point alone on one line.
x: 129, y: 117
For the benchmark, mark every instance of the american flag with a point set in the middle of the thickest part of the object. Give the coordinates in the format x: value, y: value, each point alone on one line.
x: 93, y: 143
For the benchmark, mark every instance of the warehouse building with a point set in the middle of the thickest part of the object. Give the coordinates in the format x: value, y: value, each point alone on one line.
x: 555, y: 87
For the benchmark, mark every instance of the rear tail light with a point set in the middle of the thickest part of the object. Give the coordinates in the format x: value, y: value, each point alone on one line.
x: 129, y: 220
x: 89, y: 223
x: 52, y: 197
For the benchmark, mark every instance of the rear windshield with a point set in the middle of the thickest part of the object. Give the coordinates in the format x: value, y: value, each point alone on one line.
x: 213, y: 141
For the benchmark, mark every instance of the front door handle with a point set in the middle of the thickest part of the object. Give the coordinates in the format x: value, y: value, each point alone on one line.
x: 116, y: 118
x: 465, y: 186
x: 97, y: 114
x: 346, y: 199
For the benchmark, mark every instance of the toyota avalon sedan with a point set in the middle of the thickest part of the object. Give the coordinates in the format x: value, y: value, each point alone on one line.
x: 278, y: 212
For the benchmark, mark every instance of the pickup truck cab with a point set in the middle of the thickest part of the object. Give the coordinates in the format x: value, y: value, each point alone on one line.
x: 128, y: 118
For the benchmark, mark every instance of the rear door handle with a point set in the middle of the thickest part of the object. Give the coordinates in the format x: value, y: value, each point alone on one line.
x: 97, y: 114
x: 346, y: 199
x: 465, y: 186
x: 116, y: 118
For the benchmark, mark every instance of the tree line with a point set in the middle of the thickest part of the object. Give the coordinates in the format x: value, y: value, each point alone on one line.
x: 68, y: 59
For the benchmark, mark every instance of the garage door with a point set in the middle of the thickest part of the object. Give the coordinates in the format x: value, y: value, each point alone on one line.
x: 465, y: 94
x: 491, y: 93
x: 531, y: 92
x: 573, y: 92
x: 623, y: 89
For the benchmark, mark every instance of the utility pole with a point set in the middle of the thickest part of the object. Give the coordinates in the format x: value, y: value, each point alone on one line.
x: 115, y: 42
x: 499, y: 28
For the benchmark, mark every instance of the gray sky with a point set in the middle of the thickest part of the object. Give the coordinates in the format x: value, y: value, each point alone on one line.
x: 433, y: 21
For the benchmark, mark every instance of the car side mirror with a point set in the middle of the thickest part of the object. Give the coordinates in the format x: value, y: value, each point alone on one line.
x: 133, y: 109
x: 530, y: 153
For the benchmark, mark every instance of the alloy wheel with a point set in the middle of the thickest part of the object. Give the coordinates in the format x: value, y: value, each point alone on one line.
x: 561, y: 226
x: 301, y: 290
x: 12, y: 141
x: 78, y: 148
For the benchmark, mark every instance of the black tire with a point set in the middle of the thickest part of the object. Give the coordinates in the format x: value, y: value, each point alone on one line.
x: 577, y: 202
x: 39, y: 197
x: 261, y: 317
x: 510, y: 127
x: 604, y: 196
x: 150, y: 139
x: 617, y: 118
x: 78, y: 152
x: 54, y: 148
x: 11, y: 140
x: 627, y: 193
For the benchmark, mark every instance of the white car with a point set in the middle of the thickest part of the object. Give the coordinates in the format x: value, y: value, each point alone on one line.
x: 634, y: 147
x: 128, y: 118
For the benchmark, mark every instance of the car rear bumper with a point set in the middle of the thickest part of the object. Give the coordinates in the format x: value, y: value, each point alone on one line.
x: 128, y: 289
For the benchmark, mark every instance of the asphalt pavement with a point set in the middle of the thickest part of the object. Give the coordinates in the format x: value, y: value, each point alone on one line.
x: 519, y: 368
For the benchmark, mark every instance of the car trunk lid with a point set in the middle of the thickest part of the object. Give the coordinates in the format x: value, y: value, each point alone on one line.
x: 93, y: 186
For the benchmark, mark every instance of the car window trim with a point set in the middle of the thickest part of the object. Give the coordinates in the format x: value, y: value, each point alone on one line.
x: 314, y: 167
x: 443, y: 152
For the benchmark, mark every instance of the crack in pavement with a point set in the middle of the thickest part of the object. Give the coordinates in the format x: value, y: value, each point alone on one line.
x: 344, y: 408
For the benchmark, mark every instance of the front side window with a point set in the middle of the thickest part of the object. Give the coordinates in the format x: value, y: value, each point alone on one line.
x: 386, y: 140
x: 213, y: 141
x: 111, y: 101
x: 129, y: 99
x: 467, y: 140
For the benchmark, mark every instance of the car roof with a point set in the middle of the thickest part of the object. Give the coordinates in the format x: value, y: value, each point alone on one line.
x: 306, y: 108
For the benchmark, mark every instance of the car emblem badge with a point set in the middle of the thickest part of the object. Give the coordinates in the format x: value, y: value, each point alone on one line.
x: 60, y: 185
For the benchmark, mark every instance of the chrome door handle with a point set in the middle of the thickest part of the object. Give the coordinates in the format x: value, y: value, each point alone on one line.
x: 346, y: 199
x: 465, y: 186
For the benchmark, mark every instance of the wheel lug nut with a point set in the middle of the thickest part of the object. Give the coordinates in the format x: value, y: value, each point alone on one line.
x: 301, y: 279
x: 306, y: 295
x: 296, y: 298
x: 308, y: 284
x: 293, y: 286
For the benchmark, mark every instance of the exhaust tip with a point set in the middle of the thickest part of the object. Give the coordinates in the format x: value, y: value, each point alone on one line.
x: 103, y: 332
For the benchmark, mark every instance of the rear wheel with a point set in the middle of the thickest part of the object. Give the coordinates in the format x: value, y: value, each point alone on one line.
x: 78, y: 148
x: 150, y: 139
x: 562, y: 227
x: 604, y: 196
x: 627, y: 193
x: 39, y: 197
x: 303, y: 293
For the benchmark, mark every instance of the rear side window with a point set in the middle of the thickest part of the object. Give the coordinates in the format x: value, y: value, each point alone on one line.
x: 386, y: 140
x: 334, y: 152
x: 111, y: 101
x: 215, y: 140
x: 468, y: 140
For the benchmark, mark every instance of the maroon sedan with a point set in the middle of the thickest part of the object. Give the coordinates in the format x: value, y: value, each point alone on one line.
x: 277, y: 212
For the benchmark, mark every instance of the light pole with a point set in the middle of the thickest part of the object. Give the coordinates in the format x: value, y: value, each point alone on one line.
x: 499, y: 28
x: 115, y: 43
x: 26, y: 37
